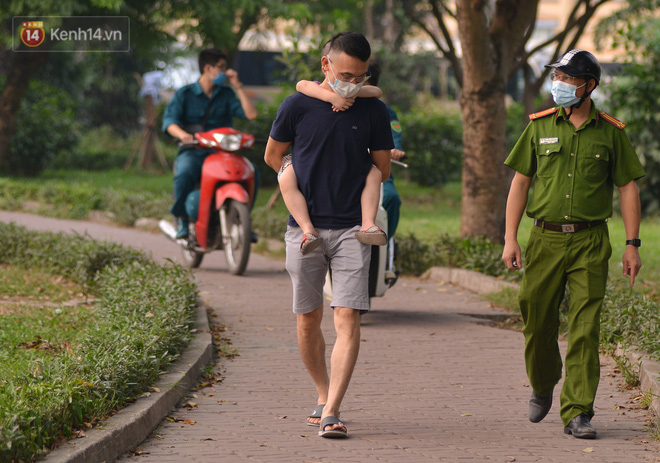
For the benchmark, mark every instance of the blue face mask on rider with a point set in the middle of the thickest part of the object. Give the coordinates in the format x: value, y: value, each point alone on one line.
x: 220, y: 79
x: 564, y: 94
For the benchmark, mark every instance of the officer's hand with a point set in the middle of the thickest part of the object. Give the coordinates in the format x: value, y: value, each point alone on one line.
x: 397, y: 155
x: 631, y: 263
x: 511, y: 255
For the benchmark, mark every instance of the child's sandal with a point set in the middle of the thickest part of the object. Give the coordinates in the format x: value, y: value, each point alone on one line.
x: 309, y: 243
x: 373, y: 236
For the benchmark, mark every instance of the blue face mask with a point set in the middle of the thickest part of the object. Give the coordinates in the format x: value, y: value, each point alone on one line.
x: 564, y: 93
x: 220, y: 79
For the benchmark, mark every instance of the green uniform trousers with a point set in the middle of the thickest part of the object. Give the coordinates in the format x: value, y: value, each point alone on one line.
x: 553, y: 259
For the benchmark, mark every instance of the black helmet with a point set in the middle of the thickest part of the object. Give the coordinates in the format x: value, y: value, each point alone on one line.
x: 578, y: 63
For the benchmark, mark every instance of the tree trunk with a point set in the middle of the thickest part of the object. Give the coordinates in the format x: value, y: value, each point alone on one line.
x: 485, y: 180
x: 20, y: 71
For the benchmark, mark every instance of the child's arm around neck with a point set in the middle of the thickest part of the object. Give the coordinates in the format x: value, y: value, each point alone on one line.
x: 314, y: 90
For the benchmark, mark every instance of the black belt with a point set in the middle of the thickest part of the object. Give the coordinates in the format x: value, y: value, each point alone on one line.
x: 567, y: 227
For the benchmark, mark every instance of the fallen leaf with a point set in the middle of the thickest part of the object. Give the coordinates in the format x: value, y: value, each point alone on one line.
x: 466, y: 414
x: 189, y: 422
x: 511, y: 458
x: 588, y: 450
x: 149, y: 315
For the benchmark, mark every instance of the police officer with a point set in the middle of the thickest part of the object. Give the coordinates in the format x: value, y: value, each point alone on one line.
x: 576, y: 154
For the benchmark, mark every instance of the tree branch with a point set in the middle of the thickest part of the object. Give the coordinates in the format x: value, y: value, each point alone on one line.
x: 448, y: 51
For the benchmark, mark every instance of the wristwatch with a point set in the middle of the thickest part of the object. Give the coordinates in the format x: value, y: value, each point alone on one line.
x: 634, y: 242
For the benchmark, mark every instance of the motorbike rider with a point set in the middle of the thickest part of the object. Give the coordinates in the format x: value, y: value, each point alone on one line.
x: 203, y: 105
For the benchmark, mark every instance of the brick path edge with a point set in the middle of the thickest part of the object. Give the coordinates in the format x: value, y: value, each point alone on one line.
x: 133, y: 424
x: 649, y: 370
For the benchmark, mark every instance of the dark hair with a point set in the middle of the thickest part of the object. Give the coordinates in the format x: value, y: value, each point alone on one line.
x: 326, y: 48
x: 210, y: 56
x: 352, y: 43
x: 374, y: 70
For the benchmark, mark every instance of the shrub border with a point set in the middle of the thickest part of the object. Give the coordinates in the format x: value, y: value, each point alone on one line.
x: 134, y: 423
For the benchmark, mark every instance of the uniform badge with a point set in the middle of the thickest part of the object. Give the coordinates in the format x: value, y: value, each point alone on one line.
x: 395, y: 126
x: 548, y: 141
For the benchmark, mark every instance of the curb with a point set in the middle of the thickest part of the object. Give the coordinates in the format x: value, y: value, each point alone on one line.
x: 649, y: 370
x: 134, y: 423
x: 468, y: 279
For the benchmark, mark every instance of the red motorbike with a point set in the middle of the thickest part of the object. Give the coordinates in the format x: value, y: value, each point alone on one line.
x: 219, y: 211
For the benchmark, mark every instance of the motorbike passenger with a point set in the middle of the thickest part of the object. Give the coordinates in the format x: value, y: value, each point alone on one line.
x: 203, y: 105
x: 391, y: 198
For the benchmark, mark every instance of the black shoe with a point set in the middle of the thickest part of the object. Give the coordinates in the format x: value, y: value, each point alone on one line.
x: 539, y: 406
x: 580, y: 427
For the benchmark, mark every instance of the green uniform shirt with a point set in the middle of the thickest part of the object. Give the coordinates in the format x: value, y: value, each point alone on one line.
x: 576, y: 170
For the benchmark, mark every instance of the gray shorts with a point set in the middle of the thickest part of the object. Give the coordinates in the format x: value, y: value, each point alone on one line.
x: 346, y: 256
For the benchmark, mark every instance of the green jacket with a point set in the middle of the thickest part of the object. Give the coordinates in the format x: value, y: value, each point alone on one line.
x: 575, y: 170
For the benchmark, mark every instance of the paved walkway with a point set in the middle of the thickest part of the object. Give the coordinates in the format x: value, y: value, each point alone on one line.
x: 433, y: 383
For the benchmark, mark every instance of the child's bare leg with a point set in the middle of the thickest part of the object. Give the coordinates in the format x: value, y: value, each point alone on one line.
x: 295, y: 201
x: 370, y: 198
x: 370, y: 233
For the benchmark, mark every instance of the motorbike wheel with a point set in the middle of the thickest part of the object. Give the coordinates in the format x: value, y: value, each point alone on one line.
x: 237, y: 249
x: 192, y: 258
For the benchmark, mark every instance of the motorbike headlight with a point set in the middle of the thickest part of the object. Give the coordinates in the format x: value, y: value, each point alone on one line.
x: 228, y: 142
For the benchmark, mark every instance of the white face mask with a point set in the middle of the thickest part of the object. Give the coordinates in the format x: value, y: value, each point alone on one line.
x: 345, y: 89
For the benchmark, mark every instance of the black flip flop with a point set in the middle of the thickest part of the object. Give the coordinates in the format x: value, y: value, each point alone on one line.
x: 315, y: 414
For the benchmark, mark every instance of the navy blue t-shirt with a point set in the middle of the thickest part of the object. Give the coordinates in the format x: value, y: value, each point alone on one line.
x: 330, y: 153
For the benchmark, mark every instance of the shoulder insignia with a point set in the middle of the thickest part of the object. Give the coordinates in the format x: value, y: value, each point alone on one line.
x: 544, y: 113
x: 612, y: 120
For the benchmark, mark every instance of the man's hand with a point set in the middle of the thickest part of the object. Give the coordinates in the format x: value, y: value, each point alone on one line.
x: 233, y: 78
x: 511, y: 255
x: 631, y: 263
x: 397, y: 154
x: 186, y: 137
x: 177, y: 132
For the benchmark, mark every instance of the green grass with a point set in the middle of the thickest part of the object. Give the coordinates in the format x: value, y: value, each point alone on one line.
x: 132, y: 180
x: 64, y: 366
x: 36, y: 284
x: 427, y: 212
